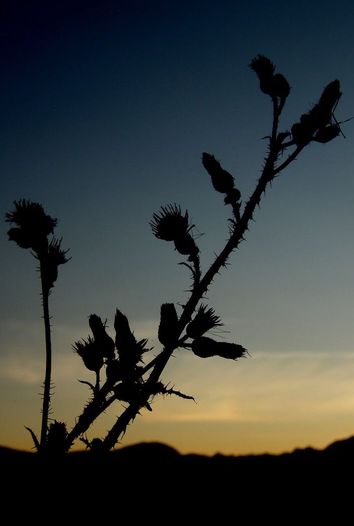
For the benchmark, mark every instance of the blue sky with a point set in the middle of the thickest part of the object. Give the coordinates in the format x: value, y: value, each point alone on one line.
x: 106, y: 109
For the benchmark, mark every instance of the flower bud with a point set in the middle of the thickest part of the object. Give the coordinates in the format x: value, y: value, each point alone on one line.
x: 54, y: 257
x: 168, y: 328
x: 327, y: 133
x: 203, y: 321
x: 301, y: 134
x: 265, y: 71
x: 129, y: 350
x: 56, y: 438
x: 170, y: 223
x: 103, y: 340
x: 20, y: 237
x: 221, y: 179
x: 33, y: 225
x: 280, y: 86
x: 186, y: 245
x: 206, y: 347
x: 90, y: 353
x: 330, y: 95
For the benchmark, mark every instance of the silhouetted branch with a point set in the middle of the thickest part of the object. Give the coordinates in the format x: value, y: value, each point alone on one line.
x: 278, y: 88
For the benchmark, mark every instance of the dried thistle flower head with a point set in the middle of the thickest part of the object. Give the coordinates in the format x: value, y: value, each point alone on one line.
x: 90, y: 353
x: 263, y: 67
x: 170, y: 224
x: 203, y: 321
x: 206, y: 347
x: 33, y: 225
x: 168, y: 328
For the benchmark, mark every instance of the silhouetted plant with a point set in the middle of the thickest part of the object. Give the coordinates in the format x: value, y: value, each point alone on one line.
x: 121, y: 373
x: 33, y: 226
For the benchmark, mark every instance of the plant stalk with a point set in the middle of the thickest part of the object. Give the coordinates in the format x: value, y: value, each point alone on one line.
x: 48, y: 358
x: 202, y: 286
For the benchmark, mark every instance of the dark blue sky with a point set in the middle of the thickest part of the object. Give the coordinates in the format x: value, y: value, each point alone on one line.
x: 106, y: 108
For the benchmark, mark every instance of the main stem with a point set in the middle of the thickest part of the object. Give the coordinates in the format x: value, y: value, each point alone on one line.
x: 236, y: 237
x: 200, y: 288
x: 48, y: 359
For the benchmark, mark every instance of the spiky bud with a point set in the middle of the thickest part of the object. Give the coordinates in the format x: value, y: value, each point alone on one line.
x: 273, y: 84
x: 103, y: 340
x: 170, y: 224
x: 168, y: 328
x: 55, y: 256
x: 124, y: 336
x: 330, y: 95
x: 265, y: 71
x: 203, y: 321
x: 90, y: 353
x: 129, y: 350
x: 206, y: 347
x: 33, y: 225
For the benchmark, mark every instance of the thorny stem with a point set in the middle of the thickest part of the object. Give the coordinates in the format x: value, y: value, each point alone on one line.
x: 201, y: 285
x: 95, y: 407
x: 289, y: 160
x: 48, y: 358
x: 236, y: 236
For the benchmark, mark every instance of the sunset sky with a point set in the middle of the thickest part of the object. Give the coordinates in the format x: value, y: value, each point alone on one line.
x: 106, y: 108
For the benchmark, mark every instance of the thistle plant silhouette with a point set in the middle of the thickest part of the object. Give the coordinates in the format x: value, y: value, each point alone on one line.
x: 33, y: 226
x: 122, y: 372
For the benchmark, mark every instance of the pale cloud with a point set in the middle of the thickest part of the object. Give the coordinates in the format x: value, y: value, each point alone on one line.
x: 269, y: 387
x: 17, y: 370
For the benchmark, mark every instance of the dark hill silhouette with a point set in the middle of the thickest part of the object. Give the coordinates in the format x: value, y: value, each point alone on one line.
x: 157, y: 454
x: 143, y: 477
x: 156, y: 458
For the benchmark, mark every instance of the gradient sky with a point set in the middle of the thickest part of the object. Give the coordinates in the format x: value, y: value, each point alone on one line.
x: 106, y: 108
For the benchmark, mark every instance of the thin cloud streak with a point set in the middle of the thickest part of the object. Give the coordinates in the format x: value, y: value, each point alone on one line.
x: 270, y: 387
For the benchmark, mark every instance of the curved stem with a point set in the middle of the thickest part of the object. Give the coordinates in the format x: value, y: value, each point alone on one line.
x: 201, y: 285
x: 237, y: 235
x: 289, y: 160
x: 48, y: 358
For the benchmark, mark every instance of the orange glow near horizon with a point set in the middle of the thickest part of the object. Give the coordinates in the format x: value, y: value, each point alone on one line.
x: 274, y: 402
